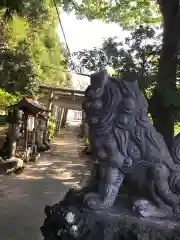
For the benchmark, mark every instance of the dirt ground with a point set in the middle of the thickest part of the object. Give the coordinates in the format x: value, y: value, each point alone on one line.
x: 23, y: 197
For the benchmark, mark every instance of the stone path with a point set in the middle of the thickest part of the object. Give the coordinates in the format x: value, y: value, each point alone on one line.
x: 23, y: 197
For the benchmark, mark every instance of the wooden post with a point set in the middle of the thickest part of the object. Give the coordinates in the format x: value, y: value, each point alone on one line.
x: 25, y: 132
x: 12, y: 140
x: 61, y: 118
x: 83, y: 125
x: 50, y: 101
x: 58, y: 121
x: 40, y: 131
x: 56, y: 118
x: 2, y: 34
x: 34, y: 131
x: 64, y: 118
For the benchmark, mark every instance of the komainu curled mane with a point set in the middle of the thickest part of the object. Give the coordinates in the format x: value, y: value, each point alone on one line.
x: 123, y: 140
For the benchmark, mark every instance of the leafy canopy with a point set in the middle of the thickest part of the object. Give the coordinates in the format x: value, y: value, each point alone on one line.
x: 124, y: 12
x: 31, y: 51
x: 17, y: 73
x: 7, y: 99
x: 138, y: 54
x: 30, y: 9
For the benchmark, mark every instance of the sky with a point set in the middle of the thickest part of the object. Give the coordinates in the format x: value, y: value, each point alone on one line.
x: 82, y: 34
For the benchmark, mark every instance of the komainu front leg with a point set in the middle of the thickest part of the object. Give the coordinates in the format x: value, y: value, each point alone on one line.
x: 161, y: 176
x: 109, y: 184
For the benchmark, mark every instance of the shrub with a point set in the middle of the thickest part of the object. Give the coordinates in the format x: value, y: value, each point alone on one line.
x: 51, y: 127
x: 7, y: 99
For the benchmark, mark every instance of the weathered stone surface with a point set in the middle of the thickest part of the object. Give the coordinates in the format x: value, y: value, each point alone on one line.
x: 133, y: 159
x: 119, y: 222
x: 126, y: 145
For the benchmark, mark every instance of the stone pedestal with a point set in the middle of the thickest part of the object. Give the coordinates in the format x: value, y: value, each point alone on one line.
x: 119, y: 222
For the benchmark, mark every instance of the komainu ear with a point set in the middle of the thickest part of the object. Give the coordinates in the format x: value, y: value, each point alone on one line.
x: 130, y: 84
x: 99, y: 79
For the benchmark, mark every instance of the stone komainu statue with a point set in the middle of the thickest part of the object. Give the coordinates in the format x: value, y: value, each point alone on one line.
x: 124, y: 142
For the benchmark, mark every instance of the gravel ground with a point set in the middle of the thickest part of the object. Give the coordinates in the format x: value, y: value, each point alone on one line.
x: 23, y: 197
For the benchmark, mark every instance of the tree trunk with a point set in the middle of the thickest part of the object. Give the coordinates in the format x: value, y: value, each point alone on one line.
x: 162, y: 103
x: 2, y: 35
x: 162, y: 119
x: 64, y: 119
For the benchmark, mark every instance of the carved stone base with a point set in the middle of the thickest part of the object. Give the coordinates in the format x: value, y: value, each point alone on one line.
x: 69, y: 219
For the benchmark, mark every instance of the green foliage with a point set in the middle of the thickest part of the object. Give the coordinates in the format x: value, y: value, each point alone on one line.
x: 127, y: 14
x: 177, y: 128
x: 51, y: 127
x: 31, y: 9
x: 7, y: 99
x: 32, y: 53
x: 139, y: 55
x: 16, y: 31
x: 17, y: 73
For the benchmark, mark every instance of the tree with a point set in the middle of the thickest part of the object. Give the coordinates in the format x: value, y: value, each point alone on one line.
x: 139, y: 54
x: 128, y: 14
x: 165, y: 101
x: 7, y: 99
x: 30, y: 9
x: 166, y: 95
x: 17, y: 73
x: 30, y: 47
